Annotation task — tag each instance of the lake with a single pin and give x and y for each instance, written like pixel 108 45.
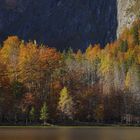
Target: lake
pixel 70 134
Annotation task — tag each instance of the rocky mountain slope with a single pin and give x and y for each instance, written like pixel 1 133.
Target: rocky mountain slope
pixel 62 23
pixel 125 18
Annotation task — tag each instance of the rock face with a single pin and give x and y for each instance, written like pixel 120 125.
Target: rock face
pixel 64 23
pixel 60 23
pixel 125 19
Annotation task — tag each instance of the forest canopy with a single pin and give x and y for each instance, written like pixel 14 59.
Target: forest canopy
pixel 40 84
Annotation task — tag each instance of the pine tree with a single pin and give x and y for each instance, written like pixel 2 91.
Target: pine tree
pixel 123 46
pixel 135 33
pixel 44 113
pixel 32 114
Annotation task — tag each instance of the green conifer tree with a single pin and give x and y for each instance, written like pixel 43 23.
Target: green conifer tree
pixel 44 113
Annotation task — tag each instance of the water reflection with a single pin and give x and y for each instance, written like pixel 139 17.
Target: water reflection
pixel 70 134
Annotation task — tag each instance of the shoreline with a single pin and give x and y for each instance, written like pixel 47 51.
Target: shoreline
pixel 70 127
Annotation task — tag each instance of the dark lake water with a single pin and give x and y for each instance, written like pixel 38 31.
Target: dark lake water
pixel 71 134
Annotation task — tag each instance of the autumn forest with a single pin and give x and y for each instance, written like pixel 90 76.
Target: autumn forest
pixel 39 84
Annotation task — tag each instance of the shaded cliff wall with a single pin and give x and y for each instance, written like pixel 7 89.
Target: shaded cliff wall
pixel 60 23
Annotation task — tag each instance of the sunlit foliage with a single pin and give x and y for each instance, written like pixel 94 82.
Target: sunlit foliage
pixel 40 84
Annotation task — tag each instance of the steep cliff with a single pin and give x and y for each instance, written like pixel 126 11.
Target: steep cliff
pixel 60 23
pixel 125 17
pixel 65 23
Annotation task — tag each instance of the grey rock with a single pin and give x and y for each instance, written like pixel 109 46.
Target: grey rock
pixel 125 18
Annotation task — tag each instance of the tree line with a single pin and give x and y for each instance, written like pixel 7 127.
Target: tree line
pixel 39 84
